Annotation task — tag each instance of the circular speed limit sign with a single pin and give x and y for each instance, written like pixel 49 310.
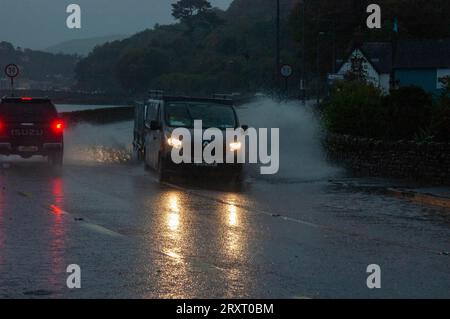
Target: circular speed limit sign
pixel 286 70
pixel 12 70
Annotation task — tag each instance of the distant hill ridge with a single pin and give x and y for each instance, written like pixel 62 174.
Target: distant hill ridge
pixel 83 46
pixel 237 9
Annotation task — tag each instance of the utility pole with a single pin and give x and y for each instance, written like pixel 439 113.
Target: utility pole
pixel 319 35
pixel 12 87
pixel 302 81
pixel 277 57
pixel 334 47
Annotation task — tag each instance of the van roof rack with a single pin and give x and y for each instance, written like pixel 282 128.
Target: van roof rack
pixel 182 98
pixel 197 99
pixel 223 96
pixel 155 94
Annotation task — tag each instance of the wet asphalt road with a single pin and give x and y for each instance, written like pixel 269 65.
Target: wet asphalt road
pixel 133 237
pixel 276 238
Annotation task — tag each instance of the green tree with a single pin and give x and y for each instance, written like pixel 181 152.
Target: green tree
pixel 440 126
pixel 409 113
pixel 357 109
pixel 186 10
pixel 195 13
pixel 137 68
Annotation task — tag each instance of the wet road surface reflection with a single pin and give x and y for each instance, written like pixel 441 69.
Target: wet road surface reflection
pixel 199 243
pixel 33 232
pixel 134 237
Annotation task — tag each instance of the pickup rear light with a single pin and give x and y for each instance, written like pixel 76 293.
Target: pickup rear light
pixel 57 126
pixel 2 126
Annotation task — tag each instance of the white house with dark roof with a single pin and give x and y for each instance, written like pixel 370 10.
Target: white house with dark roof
pixel 414 63
pixel 377 62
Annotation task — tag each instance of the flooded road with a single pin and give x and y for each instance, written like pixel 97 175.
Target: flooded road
pixel 290 236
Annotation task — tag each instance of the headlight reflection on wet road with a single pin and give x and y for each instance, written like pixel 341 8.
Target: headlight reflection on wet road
pixel 233 239
pixel 235 247
pixel 232 216
pixel 173 219
pixel 202 241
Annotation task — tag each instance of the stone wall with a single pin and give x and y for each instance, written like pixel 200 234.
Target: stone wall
pixel 99 116
pixel 424 162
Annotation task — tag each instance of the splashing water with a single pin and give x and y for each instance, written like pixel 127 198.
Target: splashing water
pixel 302 156
pixel 99 143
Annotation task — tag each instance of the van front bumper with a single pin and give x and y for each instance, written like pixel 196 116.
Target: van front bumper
pixel 225 169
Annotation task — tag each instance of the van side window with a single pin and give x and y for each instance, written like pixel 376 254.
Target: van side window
pixel 152 112
pixel 158 113
pixel 148 111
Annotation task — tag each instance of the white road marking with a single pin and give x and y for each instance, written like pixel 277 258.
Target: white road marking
pixel 306 223
pixel 92 226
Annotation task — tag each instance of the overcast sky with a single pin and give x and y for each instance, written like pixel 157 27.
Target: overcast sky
pixel 38 24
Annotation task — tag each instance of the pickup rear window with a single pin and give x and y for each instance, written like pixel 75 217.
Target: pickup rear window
pixel 19 111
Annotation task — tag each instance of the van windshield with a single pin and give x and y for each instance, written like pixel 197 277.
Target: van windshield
pixel 183 114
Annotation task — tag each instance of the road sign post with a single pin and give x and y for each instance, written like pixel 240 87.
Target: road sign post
pixel 286 72
pixel 12 71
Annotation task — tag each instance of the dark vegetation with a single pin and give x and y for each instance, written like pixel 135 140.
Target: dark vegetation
pixel 207 51
pixel 40 66
pixel 343 25
pixel 233 50
pixel 408 113
pixel 210 50
pixel 354 107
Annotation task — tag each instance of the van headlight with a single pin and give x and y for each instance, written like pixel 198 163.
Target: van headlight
pixel 175 142
pixel 235 146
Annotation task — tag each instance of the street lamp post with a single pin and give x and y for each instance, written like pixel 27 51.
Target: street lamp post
pixel 331 33
pixel 302 81
pixel 318 66
pixel 277 55
pixel 334 47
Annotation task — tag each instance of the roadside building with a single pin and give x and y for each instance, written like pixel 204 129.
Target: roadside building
pixel 411 63
pixel 376 59
pixel 422 63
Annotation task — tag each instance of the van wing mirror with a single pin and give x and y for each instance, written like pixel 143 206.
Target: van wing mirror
pixel 153 125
